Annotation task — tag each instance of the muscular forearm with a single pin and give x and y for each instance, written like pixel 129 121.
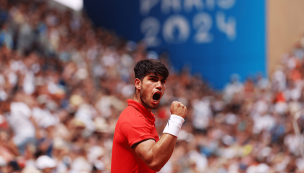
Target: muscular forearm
pixel 157 153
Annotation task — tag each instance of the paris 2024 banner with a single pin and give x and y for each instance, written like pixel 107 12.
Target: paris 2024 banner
pixel 216 38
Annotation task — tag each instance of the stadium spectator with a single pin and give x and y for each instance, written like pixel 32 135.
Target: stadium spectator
pixel 64 82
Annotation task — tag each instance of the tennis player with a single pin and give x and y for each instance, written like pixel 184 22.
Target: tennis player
pixel 136 145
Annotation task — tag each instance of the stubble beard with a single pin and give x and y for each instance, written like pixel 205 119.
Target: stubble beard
pixel 142 100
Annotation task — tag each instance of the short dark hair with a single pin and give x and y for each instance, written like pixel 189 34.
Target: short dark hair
pixel 147 66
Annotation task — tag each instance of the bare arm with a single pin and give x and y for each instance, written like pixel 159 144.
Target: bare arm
pixel 157 154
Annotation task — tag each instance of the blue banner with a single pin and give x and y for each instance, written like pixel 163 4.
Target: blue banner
pixel 214 37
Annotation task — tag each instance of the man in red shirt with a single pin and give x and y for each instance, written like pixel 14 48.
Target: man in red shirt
pixel 136 145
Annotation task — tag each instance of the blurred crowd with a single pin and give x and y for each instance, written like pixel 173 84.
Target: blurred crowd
pixel 64 82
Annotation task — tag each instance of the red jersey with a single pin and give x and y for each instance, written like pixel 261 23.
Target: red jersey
pixel 135 124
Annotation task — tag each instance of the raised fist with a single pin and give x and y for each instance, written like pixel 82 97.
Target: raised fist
pixel 179 109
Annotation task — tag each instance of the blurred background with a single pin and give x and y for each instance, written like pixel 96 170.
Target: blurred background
pixel 66 73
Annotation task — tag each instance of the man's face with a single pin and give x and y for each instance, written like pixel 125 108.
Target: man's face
pixel 152 89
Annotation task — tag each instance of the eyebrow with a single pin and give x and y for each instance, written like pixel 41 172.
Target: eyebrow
pixel 153 76
pixel 156 77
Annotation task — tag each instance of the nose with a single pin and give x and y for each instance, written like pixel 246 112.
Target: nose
pixel 159 85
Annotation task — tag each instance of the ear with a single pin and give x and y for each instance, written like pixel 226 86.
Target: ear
pixel 137 84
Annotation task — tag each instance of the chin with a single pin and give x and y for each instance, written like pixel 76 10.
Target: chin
pixel 154 106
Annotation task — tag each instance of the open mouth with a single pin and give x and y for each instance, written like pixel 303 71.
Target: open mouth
pixel 156 96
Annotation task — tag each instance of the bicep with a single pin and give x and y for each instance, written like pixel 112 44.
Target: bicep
pixel 143 150
pixel 156 154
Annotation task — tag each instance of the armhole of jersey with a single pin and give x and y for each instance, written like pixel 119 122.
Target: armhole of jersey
pixel 135 145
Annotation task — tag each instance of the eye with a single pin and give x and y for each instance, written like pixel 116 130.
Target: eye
pixel 154 79
pixel 163 81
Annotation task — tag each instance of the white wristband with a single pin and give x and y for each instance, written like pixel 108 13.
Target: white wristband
pixel 174 125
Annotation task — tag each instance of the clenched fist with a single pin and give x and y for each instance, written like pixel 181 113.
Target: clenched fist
pixel 179 109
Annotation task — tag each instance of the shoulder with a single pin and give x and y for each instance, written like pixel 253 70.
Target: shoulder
pixel 132 116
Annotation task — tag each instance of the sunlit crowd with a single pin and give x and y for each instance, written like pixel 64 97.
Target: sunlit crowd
pixel 64 82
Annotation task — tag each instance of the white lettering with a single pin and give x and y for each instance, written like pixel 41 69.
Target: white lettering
pixel 166 5
pixel 189 4
pixel 228 28
pixel 202 22
pixel 225 4
pixel 176 29
pixel 147 5
pixel 150 28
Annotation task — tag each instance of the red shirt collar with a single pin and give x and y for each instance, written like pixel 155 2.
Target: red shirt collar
pixel 141 109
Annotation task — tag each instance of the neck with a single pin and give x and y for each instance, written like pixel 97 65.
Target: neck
pixel 137 98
